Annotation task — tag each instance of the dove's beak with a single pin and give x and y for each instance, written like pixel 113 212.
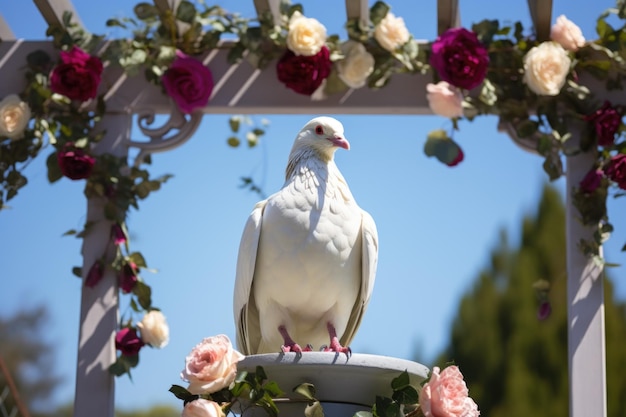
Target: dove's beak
pixel 340 142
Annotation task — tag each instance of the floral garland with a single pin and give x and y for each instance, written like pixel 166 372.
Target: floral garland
pixel 216 389
pixel 531 85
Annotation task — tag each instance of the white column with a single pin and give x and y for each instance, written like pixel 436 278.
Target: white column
pixel 585 296
pixel 95 386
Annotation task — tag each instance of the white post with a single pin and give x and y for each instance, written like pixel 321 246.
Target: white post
pixel 585 315
pixel 95 386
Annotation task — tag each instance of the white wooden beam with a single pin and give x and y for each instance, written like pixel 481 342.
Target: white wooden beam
pixel 95 385
pixel 448 15
pixel 358 9
pixel 585 297
pixel 52 11
pixel 541 15
pixel 6 34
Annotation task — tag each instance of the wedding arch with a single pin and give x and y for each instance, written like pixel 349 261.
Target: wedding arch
pixel 92 122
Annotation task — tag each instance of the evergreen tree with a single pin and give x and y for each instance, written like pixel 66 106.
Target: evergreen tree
pixel 515 364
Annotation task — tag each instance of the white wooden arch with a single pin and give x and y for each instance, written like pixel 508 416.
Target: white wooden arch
pixel 243 89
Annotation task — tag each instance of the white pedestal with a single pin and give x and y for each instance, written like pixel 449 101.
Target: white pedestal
pixel 343 385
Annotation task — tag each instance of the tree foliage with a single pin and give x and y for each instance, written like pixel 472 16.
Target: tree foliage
pixel 29 358
pixel 516 365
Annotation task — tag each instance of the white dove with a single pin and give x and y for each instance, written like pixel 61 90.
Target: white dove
pixel 308 255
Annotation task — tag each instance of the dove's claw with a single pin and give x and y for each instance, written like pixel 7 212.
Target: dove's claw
pixel 291 348
pixel 335 346
pixel 308 348
pixel 324 348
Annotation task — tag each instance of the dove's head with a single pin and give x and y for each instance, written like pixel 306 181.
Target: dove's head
pixel 324 135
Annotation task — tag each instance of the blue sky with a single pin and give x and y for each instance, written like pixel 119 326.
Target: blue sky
pixel 436 224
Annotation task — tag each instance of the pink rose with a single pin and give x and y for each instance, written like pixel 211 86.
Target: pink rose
pixel 567 34
pixel 592 180
pixel 606 122
pixel 128 342
pixel 127 277
pixel 74 162
pixel 444 99
pixel 202 408
pixel 188 82
pixel 616 170
pixel 95 274
pixel 77 76
pixel 211 365
pixel 460 58
pixel 446 395
pixel 304 74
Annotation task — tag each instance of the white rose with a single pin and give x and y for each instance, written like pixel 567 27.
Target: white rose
pixel 14 117
pixel 545 68
pixel 567 34
pixel 391 32
pixel 153 329
pixel 444 99
pixel 357 65
pixel 202 408
pixel 306 35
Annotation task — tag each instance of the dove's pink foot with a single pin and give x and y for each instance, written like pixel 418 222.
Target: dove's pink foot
pixel 335 346
pixel 289 344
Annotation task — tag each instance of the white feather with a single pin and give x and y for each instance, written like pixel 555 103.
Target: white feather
pixel 308 253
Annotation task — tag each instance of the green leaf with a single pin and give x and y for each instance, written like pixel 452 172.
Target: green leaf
pixel 439 145
pixel 624 248
pixel 138 259
pixel 144 294
pixel 182 393
pixel 38 59
pixel 401 381
pixel 363 414
pixel 406 395
pixel 260 374
pixel 378 12
pixel 314 410
pixel 272 389
pixel 233 142
pixel 118 368
pixel 146 11
pixel 186 12
pixel 234 123
pixel 70 232
pixel 306 389
pixel 54 171
pixel 78 271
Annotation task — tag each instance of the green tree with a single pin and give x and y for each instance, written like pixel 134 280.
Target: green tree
pixel 29 358
pixel 516 365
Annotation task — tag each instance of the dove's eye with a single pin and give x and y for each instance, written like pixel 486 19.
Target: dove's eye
pixel 319 130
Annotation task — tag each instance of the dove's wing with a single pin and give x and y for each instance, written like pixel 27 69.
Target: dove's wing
pixel 369 262
pixel 245 310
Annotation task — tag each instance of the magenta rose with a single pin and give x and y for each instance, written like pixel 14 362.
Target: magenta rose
pixel 460 58
pixel 77 76
pixel 616 170
pixel 544 311
pixel 74 162
pixel 304 74
pixel 606 122
pixel 128 342
pixel 95 274
pixel 592 180
pixel 127 277
pixel 189 82
pixel 118 234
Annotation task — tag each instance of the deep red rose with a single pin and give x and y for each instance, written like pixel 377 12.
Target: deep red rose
pixel 128 342
pixel 95 274
pixel 304 74
pixel 118 234
pixel 606 122
pixel 189 82
pixel 460 58
pixel 74 162
pixel 457 160
pixel 127 277
pixel 77 76
pixel 592 180
pixel 616 170
pixel 544 311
